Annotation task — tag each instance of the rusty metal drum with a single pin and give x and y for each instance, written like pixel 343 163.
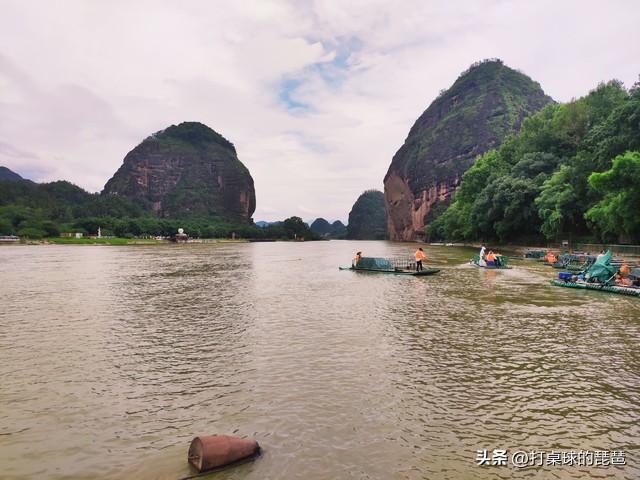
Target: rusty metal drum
pixel 216 451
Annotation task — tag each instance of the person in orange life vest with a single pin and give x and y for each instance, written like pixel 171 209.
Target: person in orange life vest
pixel 420 256
pixel 491 259
pixel 356 260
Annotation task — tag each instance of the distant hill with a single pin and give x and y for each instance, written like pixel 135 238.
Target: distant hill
pixel 321 226
pixel 325 229
pixel 485 104
pixel 368 218
pixel 186 170
pixel 9 175
pixel 339 229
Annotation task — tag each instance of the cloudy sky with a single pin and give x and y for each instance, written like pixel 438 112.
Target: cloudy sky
pixel 316 95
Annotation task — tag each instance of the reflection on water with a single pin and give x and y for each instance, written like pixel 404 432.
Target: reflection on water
pixel 113 358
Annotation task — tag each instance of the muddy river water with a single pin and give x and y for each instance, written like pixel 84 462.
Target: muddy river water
pixel 113 358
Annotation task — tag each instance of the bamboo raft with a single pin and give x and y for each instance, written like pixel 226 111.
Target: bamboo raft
pixel 395 266
pixel 421 273
pixel 631 291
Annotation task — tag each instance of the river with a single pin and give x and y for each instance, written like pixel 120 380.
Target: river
pixel 112 358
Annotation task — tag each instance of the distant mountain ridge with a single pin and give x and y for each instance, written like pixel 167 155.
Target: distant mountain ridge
pixel 484 105
pixel 9 175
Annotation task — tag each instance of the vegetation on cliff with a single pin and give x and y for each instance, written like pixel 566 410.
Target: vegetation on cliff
pixel 485 104
pixel 570 171
pixel 368 218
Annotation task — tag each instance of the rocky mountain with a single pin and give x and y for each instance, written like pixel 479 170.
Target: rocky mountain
pixel 186 170
pixel 325 229
pixel 6 174
pixel 368 217
pixel 484 105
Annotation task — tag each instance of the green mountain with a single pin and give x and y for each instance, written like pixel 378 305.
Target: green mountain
pixel 6 174
pixel 485 104
pixel 186 170
pixel 368 218
pixel 572 171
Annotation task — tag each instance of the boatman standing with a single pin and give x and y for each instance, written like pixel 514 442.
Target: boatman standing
pixel 420 256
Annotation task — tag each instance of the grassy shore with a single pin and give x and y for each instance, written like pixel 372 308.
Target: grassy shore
pixel 102 241
pixel 127 241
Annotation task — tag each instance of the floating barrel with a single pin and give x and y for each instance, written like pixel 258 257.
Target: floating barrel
pixel 216 451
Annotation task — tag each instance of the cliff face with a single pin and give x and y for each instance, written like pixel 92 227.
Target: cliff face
pixel 483 106
pixel 186 170
pixel 367 218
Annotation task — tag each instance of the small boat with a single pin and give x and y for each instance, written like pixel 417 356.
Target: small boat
pixel 386 265
pixel 499 264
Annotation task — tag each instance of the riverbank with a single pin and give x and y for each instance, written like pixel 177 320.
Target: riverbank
pixel 99 241
pixel 115 241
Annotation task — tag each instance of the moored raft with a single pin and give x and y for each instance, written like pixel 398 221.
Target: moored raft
pixel 634 292
pixel 393 266
pixel 600 276
pixel 534 254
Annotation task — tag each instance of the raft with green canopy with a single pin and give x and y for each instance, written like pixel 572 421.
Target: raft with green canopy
pixel 387 265
pixel 599 276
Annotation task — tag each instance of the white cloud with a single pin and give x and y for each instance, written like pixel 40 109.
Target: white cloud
pixel 317 96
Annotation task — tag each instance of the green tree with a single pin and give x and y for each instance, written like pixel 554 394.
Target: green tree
pixel 295 227
pixel 32 233
pixel 559 205
pixel 6 227
pixel 618 212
